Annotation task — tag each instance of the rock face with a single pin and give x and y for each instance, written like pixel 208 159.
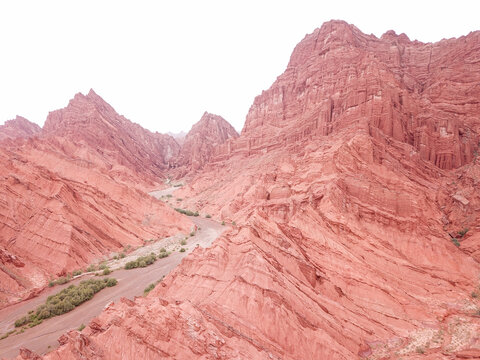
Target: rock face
pixel 200 142
pixel 73 195
pixel 353 177
pixel 18 128
pixel 88 121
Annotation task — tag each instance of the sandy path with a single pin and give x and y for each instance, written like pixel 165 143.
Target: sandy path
pixel 131 283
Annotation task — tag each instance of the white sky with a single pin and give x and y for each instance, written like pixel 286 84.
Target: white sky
pixel 163 63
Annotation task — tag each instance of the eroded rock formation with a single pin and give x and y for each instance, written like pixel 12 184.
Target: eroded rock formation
pixel 354 174
pixel 18 128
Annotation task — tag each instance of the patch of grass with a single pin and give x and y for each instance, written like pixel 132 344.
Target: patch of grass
pixel 463 232
pixel 81 327
pixel 65 301
pixel 148 289
pixel 455 242
pixel 141 261
pixel 187 212
pixel 182 250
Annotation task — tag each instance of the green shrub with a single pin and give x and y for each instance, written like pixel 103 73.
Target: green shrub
pixel 192 233
pixel 148 289
pixel 65 300
pixel 81 327
pixel 115 257
pixel 162 255
pixel 111 282
pixel 51 283
pixel 141 261
pixel 183 242
pixel 91 268
pixel 463 232
pixel 196 213
pixel 223 222
pixel 122 255
pixel 455 242
pixel 77 272
pixel 107 271
pixel 61 280
pixel 208 216
pixel 474 294
pixel 182 250
pixel 234 223
pixel 163 250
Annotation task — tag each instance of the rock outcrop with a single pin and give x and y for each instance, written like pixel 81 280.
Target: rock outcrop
pixel 18 128
pixel 88 121
pixel 200 142
pixel 351 184
pixel 76 194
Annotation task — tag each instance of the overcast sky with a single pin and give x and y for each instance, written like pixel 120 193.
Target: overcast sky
pixel 163 63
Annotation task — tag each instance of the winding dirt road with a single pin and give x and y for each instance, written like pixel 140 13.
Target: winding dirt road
pixel 131 283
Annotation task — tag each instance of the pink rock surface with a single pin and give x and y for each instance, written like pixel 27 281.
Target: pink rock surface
pixel 200 142
pixel 346 186
pixel 18 128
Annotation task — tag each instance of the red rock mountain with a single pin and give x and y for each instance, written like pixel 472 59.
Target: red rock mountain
pixel 200 142
pixel 18 128
pixel 88 121
pixel 354 176
pixel 76 194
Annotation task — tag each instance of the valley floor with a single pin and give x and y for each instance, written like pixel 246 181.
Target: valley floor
pixel 131 283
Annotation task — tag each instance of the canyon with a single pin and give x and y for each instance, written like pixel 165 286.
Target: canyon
pixel 352 195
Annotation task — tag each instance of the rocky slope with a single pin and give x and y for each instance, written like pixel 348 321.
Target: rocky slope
pixel 89 122
pixel 18 128
pixel 73 195
pixel 201 141
pixel 354 176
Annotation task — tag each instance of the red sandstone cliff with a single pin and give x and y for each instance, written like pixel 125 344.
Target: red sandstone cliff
pixel 88 121
pixel 75 194
pixel 350 176
pixel 18 128
pixel 200 142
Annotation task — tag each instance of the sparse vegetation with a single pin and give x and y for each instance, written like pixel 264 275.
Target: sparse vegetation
pixel 474 294
pixel 187 212
pixel 208 216
pixel 192 234
pixel 455 242
pixel 77 272
pixel 463 232
pixel 223 223
pixel 183 242
pixel 65 301
pixel 142 261
pixel 148 289
pixel 122 255
pixel 420 350
pixel 81 327
pixel 234 223
pixel 91 268
pixel 182 249
pixel 106 271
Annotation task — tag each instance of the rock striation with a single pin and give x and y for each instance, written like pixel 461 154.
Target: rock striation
pixel 75 193
pixel 354 177
pixel 201 141
pixel 18 128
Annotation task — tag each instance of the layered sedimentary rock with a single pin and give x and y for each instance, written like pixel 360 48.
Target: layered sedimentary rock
pixel 352 180
pixel 200 142
pixel 89 122
pixel 75 194
pixel 18 128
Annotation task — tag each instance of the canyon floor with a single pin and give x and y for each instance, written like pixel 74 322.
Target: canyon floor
pixel 131 283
